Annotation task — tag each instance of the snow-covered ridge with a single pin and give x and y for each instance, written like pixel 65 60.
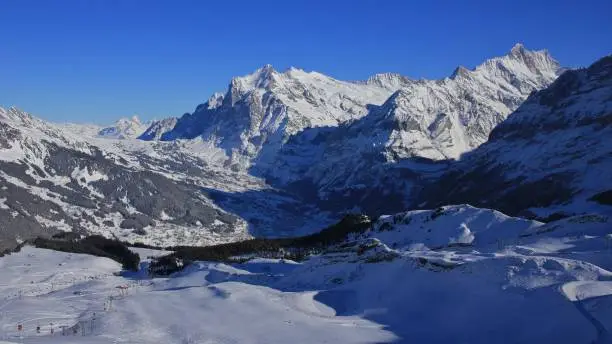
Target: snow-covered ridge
pixel 549 157
pixel 262 111
pixel 448 226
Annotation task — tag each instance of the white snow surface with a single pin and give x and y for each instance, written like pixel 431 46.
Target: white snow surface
pixel 517 281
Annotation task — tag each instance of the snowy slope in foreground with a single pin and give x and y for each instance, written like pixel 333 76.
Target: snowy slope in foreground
pixel 526 283
pixel 187 309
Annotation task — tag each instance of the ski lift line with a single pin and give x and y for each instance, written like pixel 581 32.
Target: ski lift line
pixel 82 323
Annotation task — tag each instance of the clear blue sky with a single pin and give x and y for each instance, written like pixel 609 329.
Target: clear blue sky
pixel 97 60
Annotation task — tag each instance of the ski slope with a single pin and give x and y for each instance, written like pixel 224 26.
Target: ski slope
pixel 197 307
pixel 406 280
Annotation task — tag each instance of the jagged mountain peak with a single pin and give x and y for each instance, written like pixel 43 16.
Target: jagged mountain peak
pixel 518 48
pixel 261 78
pixel 263 110
pixel 549 158
pixel 388 80
pixel 564 93
pixel 520 60
pixel 460 72
pixel 13 113
pixel 424 120
pixel 215 100
pixel 537 65
pixel 519 51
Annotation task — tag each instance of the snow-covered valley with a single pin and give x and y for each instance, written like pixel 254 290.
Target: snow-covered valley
pixel 457 274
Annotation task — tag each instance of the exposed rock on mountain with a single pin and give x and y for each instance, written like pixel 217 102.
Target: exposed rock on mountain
pixel 434 119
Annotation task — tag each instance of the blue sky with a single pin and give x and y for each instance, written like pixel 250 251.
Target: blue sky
pixel 98 60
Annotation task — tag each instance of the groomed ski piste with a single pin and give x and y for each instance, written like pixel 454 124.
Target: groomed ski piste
pixel 456 274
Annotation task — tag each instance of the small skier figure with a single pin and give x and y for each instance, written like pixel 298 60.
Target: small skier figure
pixel 37 328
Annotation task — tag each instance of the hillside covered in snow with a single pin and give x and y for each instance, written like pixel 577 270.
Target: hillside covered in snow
pixel 454 274
pixel 54 177
pixel 285 154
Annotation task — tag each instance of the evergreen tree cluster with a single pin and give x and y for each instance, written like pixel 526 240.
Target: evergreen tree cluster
pixel 289 248
pixel 96 245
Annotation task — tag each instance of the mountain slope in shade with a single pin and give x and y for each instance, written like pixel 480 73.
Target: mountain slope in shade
pixel 550 157
pixel 157 129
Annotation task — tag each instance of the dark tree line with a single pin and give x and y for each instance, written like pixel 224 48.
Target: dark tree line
pixel 290 248
pixel 95 245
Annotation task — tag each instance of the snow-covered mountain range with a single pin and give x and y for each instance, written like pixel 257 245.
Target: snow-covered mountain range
pixel 337 142
pixel 434 119
pixel 287 153
pixel 498 179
